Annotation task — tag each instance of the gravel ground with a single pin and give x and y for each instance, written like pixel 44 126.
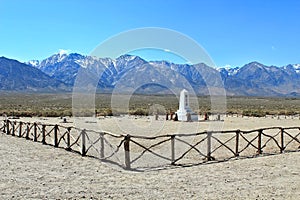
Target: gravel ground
pixel 34 171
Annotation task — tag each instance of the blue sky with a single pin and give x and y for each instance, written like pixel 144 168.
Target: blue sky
pixel 232 32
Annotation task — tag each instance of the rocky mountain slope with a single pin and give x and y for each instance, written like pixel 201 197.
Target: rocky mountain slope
pixel 257 79
pixel 16 76
pixel 131 73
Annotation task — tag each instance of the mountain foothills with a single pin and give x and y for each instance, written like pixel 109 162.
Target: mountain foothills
pixel 16 76
pixel 128 73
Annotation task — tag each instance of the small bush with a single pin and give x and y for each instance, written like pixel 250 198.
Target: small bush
pixel 139 111
pixel 253 113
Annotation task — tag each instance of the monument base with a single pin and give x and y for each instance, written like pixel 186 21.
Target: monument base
pixel 186 116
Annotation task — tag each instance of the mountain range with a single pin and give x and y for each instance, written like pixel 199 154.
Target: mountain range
pixel 129 73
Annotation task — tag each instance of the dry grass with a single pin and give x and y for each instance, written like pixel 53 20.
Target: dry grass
pixel 54 105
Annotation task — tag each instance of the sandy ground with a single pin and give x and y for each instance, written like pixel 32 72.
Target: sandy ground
pixel 34 171
pixel 149 126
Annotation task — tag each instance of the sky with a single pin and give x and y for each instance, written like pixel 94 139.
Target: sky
pixel 232 32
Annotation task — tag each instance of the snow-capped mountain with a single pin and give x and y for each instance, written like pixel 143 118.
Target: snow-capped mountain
pixel 129 72
pixel 296 68
pixel 60 66
pixel 228 71
pixel 257 79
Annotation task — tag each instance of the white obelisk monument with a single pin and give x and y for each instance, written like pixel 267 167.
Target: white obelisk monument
pixel 185 113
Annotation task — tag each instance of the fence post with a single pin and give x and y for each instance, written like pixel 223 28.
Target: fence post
pixel 43 134
pixel 7 127
pixel 2 129
pixel 27 131
pixel 172 149
pixel 127 151
pixel 20 129
pixel 259 151
pixel 4 126
pixel 68 139
pixel 237 143
pixel 55 136
pixel 83 153
pixel 209 158
pixel 101 145
pixel 13 128
pixel 282 140
pixel 34 132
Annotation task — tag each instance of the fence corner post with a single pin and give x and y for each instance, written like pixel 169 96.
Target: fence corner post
pixel 20 129
pixel 282 140
pixel 237 143
pixel 27 131
pixel 43 134
pixel 55 135
pixel 209 158
pixel 34 132
pixel 68 139
pixel 83 149
pixel 13 128
pixel 127 151
pixel 259 150
pixel 7 127
pixel 172 149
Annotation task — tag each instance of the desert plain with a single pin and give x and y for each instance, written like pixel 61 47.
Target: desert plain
pixel 31 170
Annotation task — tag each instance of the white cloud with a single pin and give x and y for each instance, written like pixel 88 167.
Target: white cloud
pixel 227 66
pixel 63 51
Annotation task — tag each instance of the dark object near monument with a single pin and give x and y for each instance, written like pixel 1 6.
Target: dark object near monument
pixel 206 117
pixel 176 117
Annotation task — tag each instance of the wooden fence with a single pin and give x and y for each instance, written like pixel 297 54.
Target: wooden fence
pixel 140 152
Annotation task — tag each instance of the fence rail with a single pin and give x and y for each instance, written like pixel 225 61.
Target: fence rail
pixel 150 152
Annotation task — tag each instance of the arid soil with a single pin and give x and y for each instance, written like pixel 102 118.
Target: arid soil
pixel 31 170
